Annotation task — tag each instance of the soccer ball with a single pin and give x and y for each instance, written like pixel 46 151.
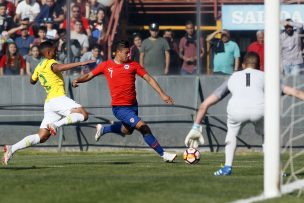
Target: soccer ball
pixel 191 156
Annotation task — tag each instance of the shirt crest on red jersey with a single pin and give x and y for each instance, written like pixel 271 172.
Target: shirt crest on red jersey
pixel 127 66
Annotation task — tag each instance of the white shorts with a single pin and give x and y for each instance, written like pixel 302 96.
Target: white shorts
pixel 57 108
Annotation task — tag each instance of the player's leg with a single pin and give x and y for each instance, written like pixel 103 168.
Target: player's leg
pixel 116 127
pixel 149 138
pixel 71 111
pixel 230 141
pixel 31 140
pixel 121 113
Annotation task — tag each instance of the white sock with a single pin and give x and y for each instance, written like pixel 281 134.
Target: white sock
pixel 71 118
pixel 229 151
pixel 232 132
pixel 26 142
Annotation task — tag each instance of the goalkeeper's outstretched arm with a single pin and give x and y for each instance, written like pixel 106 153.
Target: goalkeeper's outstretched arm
pixel 218 94
pixel 209 101
pixel 290 91
pixel 195 135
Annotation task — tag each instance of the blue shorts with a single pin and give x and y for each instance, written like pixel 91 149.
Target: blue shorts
pixel 128 115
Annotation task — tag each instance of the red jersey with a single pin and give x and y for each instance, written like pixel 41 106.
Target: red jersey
pixel 10 64
pixel 121 80
pixel 259 49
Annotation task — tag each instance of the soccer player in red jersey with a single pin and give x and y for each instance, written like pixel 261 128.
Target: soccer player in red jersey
pixel 120 74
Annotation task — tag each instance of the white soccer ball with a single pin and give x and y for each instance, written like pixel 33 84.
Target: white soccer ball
pixel 191 156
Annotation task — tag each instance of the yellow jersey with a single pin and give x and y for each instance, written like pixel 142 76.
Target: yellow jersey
pixel 52 82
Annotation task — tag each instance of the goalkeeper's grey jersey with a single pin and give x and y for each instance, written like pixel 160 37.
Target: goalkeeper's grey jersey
pixel 247 89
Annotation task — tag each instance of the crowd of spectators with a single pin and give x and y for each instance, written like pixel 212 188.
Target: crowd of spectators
pixel 27 23
pixel 169 56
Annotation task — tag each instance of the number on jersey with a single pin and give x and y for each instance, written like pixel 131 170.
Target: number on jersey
pixel 247 79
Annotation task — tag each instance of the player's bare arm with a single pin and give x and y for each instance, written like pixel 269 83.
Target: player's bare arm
pixel 209 101
pixel 84 78
pixel 290 91
pixel 152 82
pixel 195 135
pixel 63 67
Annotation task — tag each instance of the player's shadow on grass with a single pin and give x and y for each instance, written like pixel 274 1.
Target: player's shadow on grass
pixel 17 168
pixel 106 163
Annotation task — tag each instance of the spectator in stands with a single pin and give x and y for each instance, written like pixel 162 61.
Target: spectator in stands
pixel 27 9
pixel 83 6
pixel 258 47
pixel 10 8
pixel 12 63
pixel 51 33
pixel 49 10
pixel 94 7
pixel 26 22
pixel 77 16
pixel 94 54
pixel 226 53
pixel 173 51
pixel 187 50
pixel 80 37
pixel 60 5
pixel 98 27
pixel 6 21
pixel 134 50
pixel 32 60
pixel 24 42
pixel 292 59
pixel 5 38
pixel 154 53
pixel 41 36
pixel 107 4
pixel 61 52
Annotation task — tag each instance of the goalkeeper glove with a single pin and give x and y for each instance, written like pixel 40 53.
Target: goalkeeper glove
pixel 193 144
pixel 194 137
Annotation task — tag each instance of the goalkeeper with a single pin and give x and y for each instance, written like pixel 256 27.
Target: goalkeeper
pixel 254 108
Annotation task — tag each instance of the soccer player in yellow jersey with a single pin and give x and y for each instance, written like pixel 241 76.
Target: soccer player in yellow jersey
pixel 58 108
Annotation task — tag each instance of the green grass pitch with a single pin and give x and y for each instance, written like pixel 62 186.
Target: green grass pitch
pixel 135 176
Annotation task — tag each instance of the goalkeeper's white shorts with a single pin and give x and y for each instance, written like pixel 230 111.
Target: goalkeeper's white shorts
pixel 238 116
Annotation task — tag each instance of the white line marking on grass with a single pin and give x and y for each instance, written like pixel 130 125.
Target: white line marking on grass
pixel 288 188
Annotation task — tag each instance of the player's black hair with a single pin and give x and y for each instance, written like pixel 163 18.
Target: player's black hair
pixel 45 45
pixel 121 44
pixel 252 58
